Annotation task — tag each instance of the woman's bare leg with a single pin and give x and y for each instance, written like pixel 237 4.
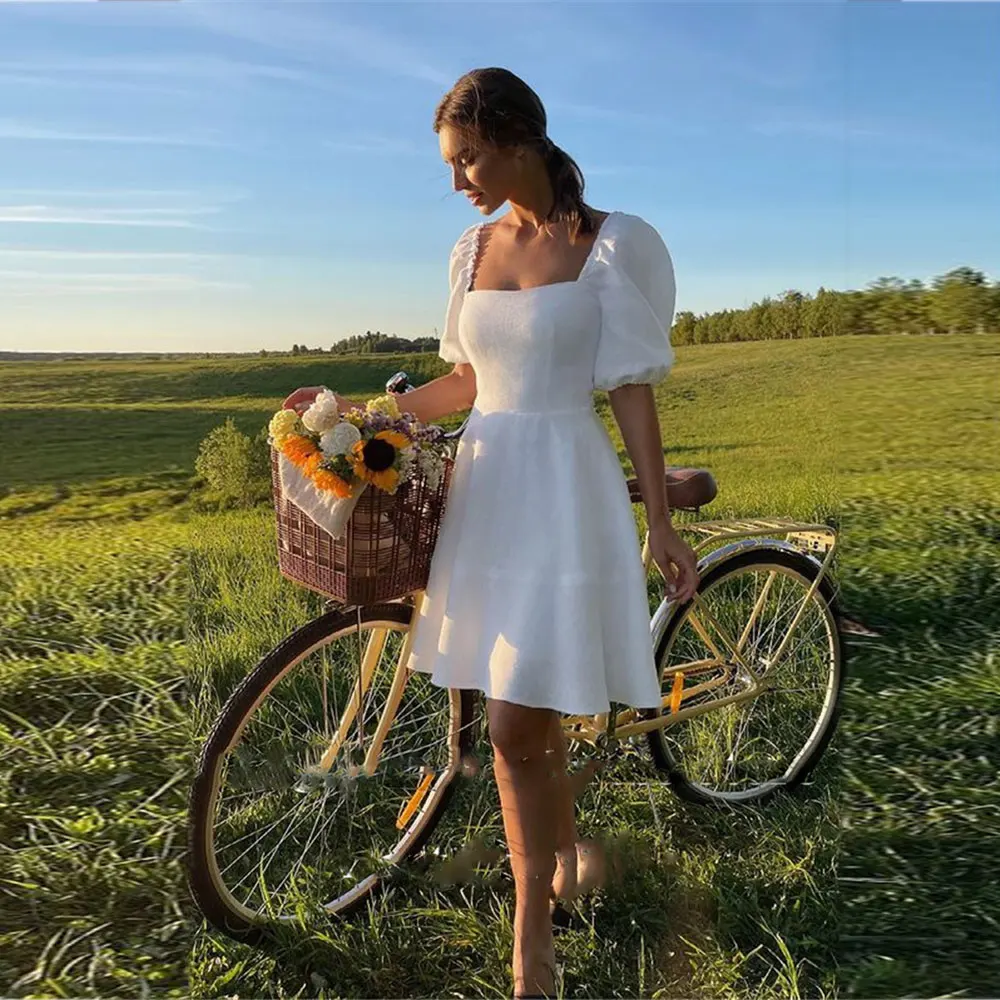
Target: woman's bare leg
pixel 531 797
pixel 579 863
pixel 564 880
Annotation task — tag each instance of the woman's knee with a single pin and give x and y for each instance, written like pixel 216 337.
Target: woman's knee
pixel 518 732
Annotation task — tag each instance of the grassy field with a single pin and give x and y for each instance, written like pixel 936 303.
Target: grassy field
pixel 118 587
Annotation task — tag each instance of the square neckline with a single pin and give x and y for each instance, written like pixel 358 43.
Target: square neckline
pixel 549 284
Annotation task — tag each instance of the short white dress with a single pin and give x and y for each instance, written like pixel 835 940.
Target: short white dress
pixel 536 593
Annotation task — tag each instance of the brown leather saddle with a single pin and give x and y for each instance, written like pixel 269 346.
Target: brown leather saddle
pixel 687 489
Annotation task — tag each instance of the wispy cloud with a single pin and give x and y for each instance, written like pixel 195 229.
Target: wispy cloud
pixel 10 129
pixel 884 136
pixel 75 81
pixel 203 67
pixel 618 170
pixel 819 128
pixel 297 31
pixel 128 194
pixel 381 144
pixel 38 283
pixel 644 119
pixel 36 253
pixel 157 218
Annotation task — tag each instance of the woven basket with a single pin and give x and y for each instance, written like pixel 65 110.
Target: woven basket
pixel 384 553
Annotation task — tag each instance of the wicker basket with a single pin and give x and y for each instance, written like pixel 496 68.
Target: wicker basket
pixel 384 553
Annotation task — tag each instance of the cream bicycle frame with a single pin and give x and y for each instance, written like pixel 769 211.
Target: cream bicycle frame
pixel 604 727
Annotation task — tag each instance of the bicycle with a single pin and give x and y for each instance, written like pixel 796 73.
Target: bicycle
pixel 329 766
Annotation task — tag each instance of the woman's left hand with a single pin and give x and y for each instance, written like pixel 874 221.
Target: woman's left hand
pixel 675 559
pixel 302 399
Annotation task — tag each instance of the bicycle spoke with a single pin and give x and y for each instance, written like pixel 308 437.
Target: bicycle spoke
pixel 737 749
pixel 276 854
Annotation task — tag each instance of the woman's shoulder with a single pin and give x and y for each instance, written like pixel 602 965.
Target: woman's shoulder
pixel 467 239
pixel 629 240
pixel 638 226
pixel 462 254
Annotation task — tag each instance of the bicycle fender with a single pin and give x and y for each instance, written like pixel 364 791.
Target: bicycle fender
pixel 665 612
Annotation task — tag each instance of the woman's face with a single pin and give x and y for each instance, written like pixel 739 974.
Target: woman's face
pixel 485 174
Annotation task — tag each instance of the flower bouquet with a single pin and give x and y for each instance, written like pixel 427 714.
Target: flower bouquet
pixel 322 463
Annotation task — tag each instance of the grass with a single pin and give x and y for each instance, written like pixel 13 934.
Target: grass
pixel 117 589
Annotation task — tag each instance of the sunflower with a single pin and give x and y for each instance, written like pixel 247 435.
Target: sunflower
pixel 297 449
pixel 311 464
pixel 327 480
pixel 373 460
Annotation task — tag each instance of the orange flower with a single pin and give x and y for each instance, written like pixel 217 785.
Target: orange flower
pixel 373 460
pixel 298 448
pixel 327 480
pixel 311 464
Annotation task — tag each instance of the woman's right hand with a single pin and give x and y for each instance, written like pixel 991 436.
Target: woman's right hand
pixel 302 399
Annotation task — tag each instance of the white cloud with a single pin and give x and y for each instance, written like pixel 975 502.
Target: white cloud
pixel 644 119
pixel 125 194
pixel 116 84
pixel 381 144
pixel 46 214
pixel 175 67
pixel 35 253
pixel 10 129
pixel 311 38
pixel 27 284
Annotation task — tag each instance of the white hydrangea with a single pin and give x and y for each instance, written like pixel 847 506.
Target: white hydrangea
pixel 431 465
pixel 338 440
pixel 323 414
pixel 407 459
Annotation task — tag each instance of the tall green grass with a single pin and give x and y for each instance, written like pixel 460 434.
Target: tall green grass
pixel 127 614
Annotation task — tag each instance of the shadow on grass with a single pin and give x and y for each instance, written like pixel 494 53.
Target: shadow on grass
pixel 917 865
pixel 76 447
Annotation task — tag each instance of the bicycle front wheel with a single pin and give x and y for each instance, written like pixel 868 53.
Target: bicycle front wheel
pixel 303 801
pixel 724 645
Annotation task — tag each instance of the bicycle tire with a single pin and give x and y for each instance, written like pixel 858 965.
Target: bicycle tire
pixel 760 556
pixel 212 897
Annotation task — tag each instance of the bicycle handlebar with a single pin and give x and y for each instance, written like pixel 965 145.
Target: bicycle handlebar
pixel 400 384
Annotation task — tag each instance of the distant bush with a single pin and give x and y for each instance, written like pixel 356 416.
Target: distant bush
pixel 234 466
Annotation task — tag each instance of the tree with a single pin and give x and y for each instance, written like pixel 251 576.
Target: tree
pixel 233 465
pixel 888 305
pixel 788 314
pixel 960 301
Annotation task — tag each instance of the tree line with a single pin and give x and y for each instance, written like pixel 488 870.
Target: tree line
pixel 961 301
pixel 373 343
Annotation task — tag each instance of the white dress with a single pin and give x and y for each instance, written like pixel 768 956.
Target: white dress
pixel 536 592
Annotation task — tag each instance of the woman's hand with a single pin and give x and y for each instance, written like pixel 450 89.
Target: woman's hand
pixel 675 559
pixel 302 399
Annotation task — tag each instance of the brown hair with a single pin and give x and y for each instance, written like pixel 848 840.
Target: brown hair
pixel 499 107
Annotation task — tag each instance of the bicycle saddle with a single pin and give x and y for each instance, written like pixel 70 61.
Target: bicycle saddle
pixel 687 489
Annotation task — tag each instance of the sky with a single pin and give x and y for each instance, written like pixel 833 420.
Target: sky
pixel 237 176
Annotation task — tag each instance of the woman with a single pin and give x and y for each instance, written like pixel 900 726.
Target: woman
pixel 536 594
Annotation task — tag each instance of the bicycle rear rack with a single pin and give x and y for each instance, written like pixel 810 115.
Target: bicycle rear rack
pixel 807 535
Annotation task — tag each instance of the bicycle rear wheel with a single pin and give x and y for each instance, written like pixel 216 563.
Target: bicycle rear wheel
pixel 285 822
pixel 748 750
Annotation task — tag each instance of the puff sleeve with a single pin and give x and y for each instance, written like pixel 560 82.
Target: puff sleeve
pixel 459 274
pixel 637 292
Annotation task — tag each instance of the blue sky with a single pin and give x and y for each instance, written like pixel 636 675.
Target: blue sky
pixel 236 176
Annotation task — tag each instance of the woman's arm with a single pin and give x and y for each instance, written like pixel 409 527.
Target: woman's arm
pixel 438 398
pixel 447 394
pixel 635 412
